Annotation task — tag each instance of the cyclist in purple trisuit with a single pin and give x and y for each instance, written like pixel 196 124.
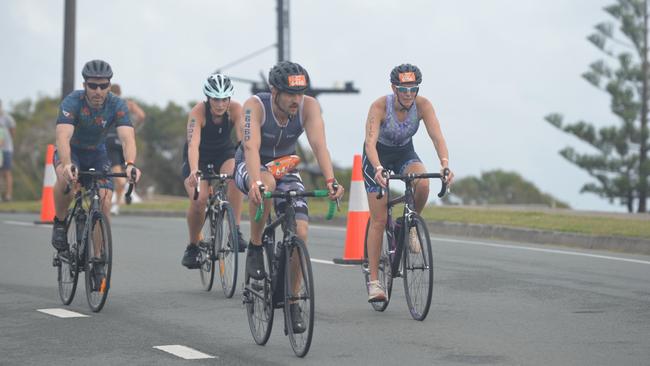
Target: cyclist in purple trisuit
pixel 272 124
pixel 392 121
pixel 85 117
pixel 209 141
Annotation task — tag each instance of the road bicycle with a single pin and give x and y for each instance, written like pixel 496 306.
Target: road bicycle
pixel 89 242
pixel 405 248
pixel 288 283
pixel 219 236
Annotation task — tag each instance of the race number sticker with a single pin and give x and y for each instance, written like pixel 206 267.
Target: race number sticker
pixel 407 77
pixel 297 80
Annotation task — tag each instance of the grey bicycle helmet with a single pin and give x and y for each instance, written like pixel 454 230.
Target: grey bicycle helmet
pixel 97 69
pixel 289 77
pixel 405 74
pixel 218 86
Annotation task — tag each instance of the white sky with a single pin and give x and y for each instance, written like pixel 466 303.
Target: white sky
pixel 492 68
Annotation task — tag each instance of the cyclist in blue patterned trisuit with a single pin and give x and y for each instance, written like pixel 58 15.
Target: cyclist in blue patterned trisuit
pixel 392 121
pixel 85 116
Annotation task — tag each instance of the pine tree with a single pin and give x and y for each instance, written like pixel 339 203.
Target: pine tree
pixel 621 165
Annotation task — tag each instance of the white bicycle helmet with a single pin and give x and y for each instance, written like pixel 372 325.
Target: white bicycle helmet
pixel 218 86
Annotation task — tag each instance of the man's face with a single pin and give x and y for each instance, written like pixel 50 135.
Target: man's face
pixel 289 103
pixel 96 91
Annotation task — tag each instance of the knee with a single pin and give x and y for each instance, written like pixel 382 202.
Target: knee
pixel 198 205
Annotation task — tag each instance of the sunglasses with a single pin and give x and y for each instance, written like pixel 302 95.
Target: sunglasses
pixel 407 89
pixel 93 86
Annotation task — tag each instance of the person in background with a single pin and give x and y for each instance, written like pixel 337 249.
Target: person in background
pixel 115 150
pixel 7 135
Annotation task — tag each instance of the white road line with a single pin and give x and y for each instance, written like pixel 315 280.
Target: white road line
pixel 62 313
pixel 321 261
pixel 19 223
pixel 183 352
pixel 555 251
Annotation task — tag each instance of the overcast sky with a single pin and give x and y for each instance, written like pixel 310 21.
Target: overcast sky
pixel 492 68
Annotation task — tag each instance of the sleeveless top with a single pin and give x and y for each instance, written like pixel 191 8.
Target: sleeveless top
pixel 276 140
pixel 393 132
pixel 215 138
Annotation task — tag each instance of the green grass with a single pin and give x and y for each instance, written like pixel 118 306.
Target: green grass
pixel 563 221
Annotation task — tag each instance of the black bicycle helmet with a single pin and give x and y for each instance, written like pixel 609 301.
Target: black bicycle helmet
pixel 289 77
pixel 405 74
pixel 97 69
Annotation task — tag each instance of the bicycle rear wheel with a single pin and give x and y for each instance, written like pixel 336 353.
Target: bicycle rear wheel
pixel 207 254
pixel 383 271
pixel 299 294
pixel 99 262
pixel 67 264
pixel 258 298
pixel 227 249
pixel 418 269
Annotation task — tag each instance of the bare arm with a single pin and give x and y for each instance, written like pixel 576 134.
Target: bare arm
pixel 375 115
pixel 433 129
pixel 127 136
pixel 237 117
pixel 195 123
pixel 64 133
pixel 137 113
pixel 252 140
pixel 315 131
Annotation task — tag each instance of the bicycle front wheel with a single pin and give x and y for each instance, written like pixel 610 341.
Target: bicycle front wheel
pixel 258 300
pixel 418 268
pixel 384 274
pixel 299 297
pixel 67 264
pixel 227 249
pixel 207 254
pixel 99 262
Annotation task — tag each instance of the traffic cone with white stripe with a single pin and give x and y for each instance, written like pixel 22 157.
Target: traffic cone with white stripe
pixel 358 215
pixel 47 198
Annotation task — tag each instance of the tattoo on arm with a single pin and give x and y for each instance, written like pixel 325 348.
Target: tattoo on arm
pixel 371 127
pixel 247 125
pixel 190 130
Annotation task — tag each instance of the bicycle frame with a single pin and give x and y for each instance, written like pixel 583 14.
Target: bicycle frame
pixel 397 247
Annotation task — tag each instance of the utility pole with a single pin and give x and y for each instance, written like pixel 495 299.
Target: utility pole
pixel 67 84
pixel 284 54
pixel 284 41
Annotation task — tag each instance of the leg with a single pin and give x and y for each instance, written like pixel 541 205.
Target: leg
pixel 235 197
pixel 61 200
pixel 9 181
pixel 378 219
pixel 196 211
pixel 119 187
pixel 420 187
pixel 257 227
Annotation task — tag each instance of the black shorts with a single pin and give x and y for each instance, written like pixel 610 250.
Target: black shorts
pixel 217 160
pixel 115 151
pixel 394 158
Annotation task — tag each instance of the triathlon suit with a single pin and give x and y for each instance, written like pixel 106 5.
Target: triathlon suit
pixel 277 140
pixel 87 145
pixel 216 143
pixel 394 144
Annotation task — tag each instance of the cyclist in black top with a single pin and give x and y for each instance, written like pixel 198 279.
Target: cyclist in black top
pixel 209 141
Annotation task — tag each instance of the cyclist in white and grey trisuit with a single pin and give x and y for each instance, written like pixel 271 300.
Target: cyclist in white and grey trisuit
pixel 392 121
pixel 272 124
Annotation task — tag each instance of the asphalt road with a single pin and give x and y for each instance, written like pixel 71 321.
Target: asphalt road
pixel 494 303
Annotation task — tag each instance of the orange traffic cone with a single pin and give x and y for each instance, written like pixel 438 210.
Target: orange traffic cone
pixel 358 215
pixel 47 198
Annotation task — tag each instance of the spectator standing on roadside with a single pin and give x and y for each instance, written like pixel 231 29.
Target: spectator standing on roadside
pixel 7 135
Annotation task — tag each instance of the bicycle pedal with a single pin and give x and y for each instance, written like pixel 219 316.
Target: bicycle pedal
pixel 56 262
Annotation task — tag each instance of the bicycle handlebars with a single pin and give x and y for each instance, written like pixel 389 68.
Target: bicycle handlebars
pixel 333 205
pixel 98 175
pixel 210 176
pixel 412 176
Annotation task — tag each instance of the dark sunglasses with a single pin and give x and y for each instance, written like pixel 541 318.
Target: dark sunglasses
pixel 93 86
pixel 406 89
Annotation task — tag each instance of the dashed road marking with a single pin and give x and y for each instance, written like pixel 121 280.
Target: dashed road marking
pixel 184 352
pixel 62 313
